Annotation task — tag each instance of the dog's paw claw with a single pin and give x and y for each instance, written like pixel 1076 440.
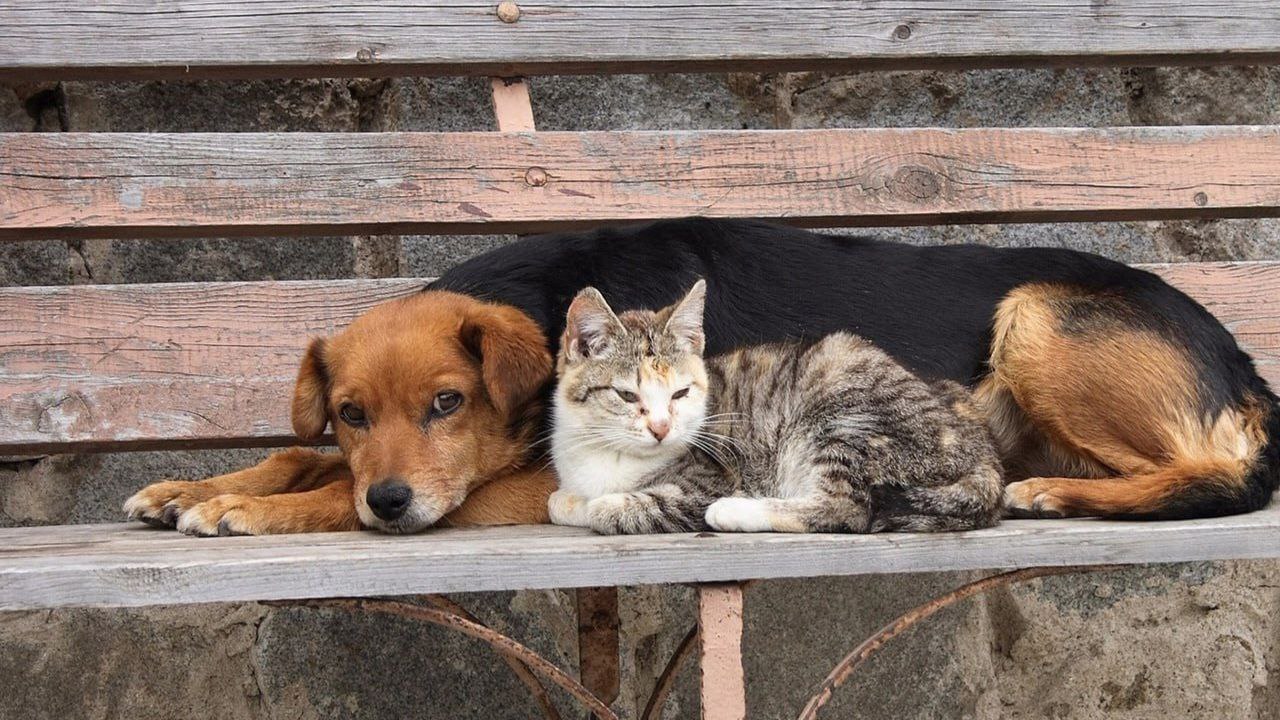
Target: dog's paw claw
pixel 169 514
pixel 225 529
pixel 222 516
pixel 160 504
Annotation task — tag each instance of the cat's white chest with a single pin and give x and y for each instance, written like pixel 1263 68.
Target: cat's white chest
pixel 592 474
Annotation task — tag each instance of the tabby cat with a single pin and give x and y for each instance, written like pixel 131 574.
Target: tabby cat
pixel 831 436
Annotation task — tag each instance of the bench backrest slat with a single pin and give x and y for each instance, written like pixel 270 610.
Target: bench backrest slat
pixel 164 365
pixel 245 38
pixel 213 364
pixel 76 185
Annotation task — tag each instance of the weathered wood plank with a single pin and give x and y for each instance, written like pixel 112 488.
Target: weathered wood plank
pixel 119 565
pixel 172 365
pixel 75 185
pixel 212 364
pixel 56 39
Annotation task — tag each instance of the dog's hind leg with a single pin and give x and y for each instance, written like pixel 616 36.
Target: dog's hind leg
pixel 1110 416
pixel 287 471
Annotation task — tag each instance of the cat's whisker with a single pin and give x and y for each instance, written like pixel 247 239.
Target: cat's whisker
pixel 728 442
pixel 713 452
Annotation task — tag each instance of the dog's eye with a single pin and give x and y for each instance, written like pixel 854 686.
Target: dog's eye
pixel 679 393
pixel 445 403
pixel 626 395
pixel 353 415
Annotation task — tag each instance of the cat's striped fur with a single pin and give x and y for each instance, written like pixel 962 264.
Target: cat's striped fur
pixel 832 436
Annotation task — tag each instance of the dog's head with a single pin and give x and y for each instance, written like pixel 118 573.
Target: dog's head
pixel 429 397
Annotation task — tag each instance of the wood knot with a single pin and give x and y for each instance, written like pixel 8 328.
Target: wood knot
pixel 364 55
pixel 508 12
pixel 918 182
pixel 535 176
pixel 902 32
pixel 1201 198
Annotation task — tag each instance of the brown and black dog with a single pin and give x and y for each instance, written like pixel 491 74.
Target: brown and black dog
pixel 1110 392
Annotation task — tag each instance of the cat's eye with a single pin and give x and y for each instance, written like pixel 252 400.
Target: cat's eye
pixel 445 403
pixel 353 415
pixel 679 393
pixel 626 395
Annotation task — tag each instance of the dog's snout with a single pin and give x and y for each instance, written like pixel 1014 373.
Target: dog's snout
pixel 389 499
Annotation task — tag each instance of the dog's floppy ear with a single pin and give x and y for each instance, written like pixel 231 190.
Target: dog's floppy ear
pixel 513 354
pixel 311 394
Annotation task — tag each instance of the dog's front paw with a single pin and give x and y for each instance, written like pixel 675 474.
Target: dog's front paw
pixel 566 508
pixel 223 515
pixel 1032 498
pixel 739 514
pixel 160 504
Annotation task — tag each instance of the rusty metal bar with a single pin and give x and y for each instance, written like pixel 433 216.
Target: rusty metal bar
pixel 495 639
pixel 518 668
pixel 658 698
pixel 843 669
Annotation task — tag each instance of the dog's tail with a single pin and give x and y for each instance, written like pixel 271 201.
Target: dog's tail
pixel 1235 469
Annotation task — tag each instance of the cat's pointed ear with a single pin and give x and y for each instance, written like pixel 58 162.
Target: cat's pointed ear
pixel 685 322
pixel 590 327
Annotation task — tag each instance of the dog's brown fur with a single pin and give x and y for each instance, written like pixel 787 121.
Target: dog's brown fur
pixel 472 467
pixel 1105 401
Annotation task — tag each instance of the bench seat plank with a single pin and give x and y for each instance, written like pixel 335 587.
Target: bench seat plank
pixel 130 565
pixel 60 39
pixel 182 365
pixel 80 185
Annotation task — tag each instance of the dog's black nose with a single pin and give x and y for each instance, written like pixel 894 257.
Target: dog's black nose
pixel 389 499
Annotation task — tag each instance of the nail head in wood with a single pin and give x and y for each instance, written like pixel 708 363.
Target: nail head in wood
pixel 535 176
pixel 1201 199
pixel 508 12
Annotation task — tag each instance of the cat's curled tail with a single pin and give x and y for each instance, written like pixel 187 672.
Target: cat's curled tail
pixel 970 502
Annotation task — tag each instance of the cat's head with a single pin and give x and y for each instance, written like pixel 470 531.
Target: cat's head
pixel 635 382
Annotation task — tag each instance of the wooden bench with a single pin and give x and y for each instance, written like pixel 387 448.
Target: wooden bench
pixel 97 368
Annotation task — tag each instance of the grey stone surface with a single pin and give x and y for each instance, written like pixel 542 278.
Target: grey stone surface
pixel 1009 98
pixel 13 113
pixel 211 106
pixel 35 262
pixel 134 261
pixel 429 256
pixel 1190 641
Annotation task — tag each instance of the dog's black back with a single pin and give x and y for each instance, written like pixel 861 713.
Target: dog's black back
pixel 929 307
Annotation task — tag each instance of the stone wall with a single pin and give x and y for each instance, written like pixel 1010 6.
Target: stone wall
pixel 1187 641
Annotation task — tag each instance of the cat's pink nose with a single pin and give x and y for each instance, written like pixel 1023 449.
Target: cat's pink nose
pixel 659 428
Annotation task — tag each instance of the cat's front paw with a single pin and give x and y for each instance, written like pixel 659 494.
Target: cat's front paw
pixel 611 515
pixel 739 514
pixel 566 508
